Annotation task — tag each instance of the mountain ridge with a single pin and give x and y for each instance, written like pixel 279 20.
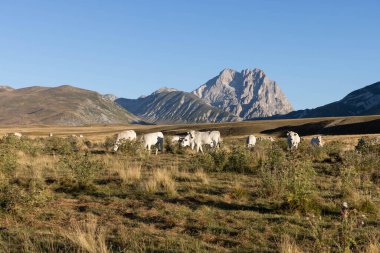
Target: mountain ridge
pixel 168 105
pixel 363 101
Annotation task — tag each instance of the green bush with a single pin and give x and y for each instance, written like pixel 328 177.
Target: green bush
pixel 368 145
pixel 173 148
pixel 128 147
pixel 300 187
pixel 202 162
pixel 61 146
pixel 8 159
pixel 82 167
pixel 240 160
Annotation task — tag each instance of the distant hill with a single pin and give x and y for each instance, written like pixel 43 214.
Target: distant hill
pixel 63 105
pixel 364 101
pixel 247 94
pixel 169 105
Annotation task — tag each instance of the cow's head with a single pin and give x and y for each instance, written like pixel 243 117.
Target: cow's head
pixel 186 141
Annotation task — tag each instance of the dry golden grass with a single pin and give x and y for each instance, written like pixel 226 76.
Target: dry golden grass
pixel 164 204
pixel 161 180
pixel 288 245
pixel 87 235
pixel 126 172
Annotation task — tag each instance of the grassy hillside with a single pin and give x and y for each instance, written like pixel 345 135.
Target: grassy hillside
pixel 63 105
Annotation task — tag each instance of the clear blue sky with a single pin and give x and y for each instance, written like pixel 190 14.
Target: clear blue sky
pixel 317 51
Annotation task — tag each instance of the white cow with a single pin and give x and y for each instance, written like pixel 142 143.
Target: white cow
pixel 293 140
pixel 317 141
pixel 176 139
pixel 251 141
pixel 17 134
pixel 216 139
pixel 197 139
pixel 153 139
pixel 50 134
pixel 128 135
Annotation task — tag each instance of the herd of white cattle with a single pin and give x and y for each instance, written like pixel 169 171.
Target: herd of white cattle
pixel 197 139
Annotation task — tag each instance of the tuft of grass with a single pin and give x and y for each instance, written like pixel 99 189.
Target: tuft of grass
pixel 161 180
pixel 127 173
pixel 87 235
pixel 288 245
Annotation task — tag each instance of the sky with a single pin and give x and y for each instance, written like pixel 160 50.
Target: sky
pixel 317 51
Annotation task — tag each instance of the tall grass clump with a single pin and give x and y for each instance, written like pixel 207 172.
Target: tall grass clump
pixel 127 172
pixel 161 180
pixel 87 235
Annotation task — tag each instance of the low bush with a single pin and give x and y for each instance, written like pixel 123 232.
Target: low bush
pixel 132 148
pixel 82 167
pixel 8 160
pixel 60 146
pixel 240 160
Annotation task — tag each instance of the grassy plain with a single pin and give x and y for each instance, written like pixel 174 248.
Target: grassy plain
pixel 65 194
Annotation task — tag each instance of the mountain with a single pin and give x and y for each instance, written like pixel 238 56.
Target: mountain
pixel 63 105
pixel 247 94
pixel 364 101
pixel 168 105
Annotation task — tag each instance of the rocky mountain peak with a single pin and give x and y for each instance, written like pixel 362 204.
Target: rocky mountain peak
pixel 164 89
pixel 247 94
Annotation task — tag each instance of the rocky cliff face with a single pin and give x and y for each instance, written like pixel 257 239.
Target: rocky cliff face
pixel 168 105
pixel 247 94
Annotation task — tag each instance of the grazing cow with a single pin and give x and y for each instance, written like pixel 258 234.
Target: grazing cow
pixel 50 134
pixel 197 139
pixel 81 136
pixel 176 139
pixel 153 139
pixel 215 138
pixel 293 140
pixel 251 141
pixel 128 135
pixel 17 134
pixel 317 141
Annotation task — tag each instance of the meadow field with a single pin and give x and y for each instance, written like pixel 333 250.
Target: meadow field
pixel 70 194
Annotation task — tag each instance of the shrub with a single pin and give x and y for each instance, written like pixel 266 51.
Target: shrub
pixel 300 188
pixel 240 161
pixel 8 160
pixel 109 143
pixel 61 146
pixel 368 145
pixel 202 162
pixel 82 167
pixel 173 148
pixel 128 147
